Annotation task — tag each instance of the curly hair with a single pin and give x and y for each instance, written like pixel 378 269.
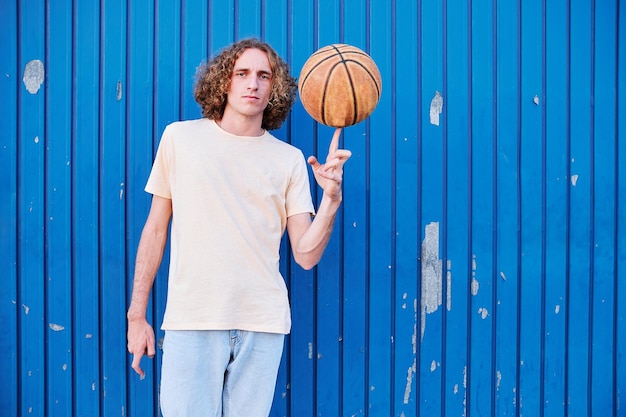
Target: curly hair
pixel 213 83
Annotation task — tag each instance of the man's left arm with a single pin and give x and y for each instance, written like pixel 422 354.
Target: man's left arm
pixel 309 238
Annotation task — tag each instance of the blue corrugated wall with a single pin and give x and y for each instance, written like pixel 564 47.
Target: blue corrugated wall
pixel 478 267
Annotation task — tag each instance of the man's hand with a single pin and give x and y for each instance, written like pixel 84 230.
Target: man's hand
pixel 140 342
pixel 330 174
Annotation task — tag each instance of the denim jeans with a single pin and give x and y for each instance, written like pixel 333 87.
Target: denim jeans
pixel 217 373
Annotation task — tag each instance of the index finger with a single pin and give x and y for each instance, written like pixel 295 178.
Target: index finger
pixel 334 143
pixel 135 365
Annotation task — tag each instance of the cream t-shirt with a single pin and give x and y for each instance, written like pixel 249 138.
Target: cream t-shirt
pixel 231 196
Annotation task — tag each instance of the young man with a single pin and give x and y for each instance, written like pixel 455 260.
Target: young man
pixel 231 190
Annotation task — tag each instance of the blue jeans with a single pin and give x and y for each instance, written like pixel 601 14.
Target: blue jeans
pixel 217 373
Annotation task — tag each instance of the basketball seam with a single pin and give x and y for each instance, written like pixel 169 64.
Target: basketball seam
pixel 354 100
pixel 323 100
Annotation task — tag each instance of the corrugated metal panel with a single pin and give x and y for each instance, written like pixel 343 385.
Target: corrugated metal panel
pixel 477 266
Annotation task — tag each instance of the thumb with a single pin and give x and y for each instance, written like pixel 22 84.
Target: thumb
pixel 313 162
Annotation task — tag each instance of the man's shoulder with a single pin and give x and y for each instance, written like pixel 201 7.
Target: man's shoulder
pixel 283 145
pixel 187 124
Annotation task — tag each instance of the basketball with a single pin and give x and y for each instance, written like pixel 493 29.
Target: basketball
pixel 339 85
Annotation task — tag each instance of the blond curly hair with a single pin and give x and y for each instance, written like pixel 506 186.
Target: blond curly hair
pixel 213 82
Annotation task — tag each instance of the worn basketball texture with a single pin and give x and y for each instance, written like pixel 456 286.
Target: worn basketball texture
pixel 339 85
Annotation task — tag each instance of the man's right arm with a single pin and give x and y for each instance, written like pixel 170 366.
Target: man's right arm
pixel 149 254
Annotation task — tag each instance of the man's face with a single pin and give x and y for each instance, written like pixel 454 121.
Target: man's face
pixel 250 83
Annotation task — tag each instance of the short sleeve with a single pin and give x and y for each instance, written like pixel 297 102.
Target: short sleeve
pixel 298 198
pixel 159 179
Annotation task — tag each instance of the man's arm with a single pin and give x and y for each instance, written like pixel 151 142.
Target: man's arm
pixel 149 254
pixel 310 238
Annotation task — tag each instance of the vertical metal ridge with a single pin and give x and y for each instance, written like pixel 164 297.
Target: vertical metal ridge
pixel 544 201
pixel 152 304
pixel 73 157
pixel 181 59
pixel 368 170
pixel 616 264
pixel 393 195
pixel 45 211
pixel 592 189
pixel 18 213
pixel 444 208
pixel 209 17
pixel 568 208
pixel 128 277
pixel 316 22
pixel 470 195
pixel 236 20
pixel 341 21
pixel 98 205
pixel 518 167
pixel 494 241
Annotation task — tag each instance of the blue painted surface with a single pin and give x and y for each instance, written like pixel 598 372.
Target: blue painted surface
pixel 477 265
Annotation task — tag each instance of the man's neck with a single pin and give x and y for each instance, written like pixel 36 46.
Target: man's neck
pixel 242 125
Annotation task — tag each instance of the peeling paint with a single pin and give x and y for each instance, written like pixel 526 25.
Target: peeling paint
pixel 121 191
pixel 26 309
pixel 414 335
pixel 118 97
pixel 536 100
pixel 449 286
pixel 409 381
pixel 33 76
pixel 498 380
pixel 56 327
pixel 436 107
pixel 465 377
pixel 433 366
pixel 484 313
pixel 431 297
pixel 475 286
pixel 502 276
pixel 557 309
pixel 310 350
pixel 574 179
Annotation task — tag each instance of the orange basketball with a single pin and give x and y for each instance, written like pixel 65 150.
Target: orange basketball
pixel 339 85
